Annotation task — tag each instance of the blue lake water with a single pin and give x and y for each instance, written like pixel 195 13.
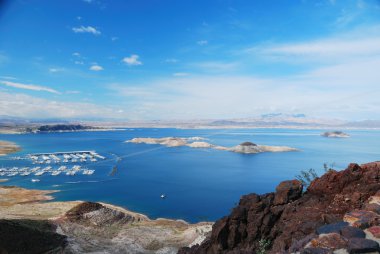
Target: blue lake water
pixel 200 184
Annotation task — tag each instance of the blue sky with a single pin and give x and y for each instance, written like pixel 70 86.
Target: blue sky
pixel 150 59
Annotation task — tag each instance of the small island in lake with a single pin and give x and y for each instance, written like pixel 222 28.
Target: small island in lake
pixel 8 147
pixel 335 134
pixel 196 142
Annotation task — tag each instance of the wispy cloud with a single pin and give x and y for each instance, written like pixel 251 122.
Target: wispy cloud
pixel 215 66
pixel 8 77
pixel 22 105
pixel 96 68
pixel 54 70
pixel 28 86
pixel 171 60
pixel 86 29
pixel 132 60
pixel 357 45
pixel 181 74
pixel 202 42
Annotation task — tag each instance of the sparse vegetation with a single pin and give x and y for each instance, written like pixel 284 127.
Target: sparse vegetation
pixel 263 246
pixel 307 176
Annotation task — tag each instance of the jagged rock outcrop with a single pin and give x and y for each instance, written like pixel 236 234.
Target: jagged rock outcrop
pixel 290 221
pixel 30 236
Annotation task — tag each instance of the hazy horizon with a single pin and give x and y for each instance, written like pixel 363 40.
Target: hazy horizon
pixel 147 60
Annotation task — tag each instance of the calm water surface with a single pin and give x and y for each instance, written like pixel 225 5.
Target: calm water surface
pixel 200 184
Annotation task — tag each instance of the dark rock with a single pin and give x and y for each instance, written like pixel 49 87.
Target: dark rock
pixel 29 237
pixel 316 251
pixel 360 245
pixel 352 232
pixel 248 144
pixel 288 191
pixel 332 228
pixel 327 200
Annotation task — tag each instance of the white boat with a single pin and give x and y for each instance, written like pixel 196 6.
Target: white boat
pixel 55 173
pixel 25 174
pixel 35 180
pixel 163 196
pixel 39 173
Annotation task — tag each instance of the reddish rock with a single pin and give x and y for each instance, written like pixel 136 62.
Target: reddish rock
pixel 362 218
pixel 375 231
pixel 332 241
pixel 257 217
pixel 288 191
pixel 360 245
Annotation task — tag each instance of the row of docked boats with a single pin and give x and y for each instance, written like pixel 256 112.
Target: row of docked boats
pixel 64 157
pixel 38 171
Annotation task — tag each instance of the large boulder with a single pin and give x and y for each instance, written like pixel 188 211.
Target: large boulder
pixel 288 191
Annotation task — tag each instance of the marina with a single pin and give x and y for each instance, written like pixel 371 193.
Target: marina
pixel 53 164
pixel 49 170
pixel 62 157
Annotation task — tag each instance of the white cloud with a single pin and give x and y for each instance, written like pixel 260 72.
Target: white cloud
pixel 29 87
pixel 346 47
pixel 86 29
pixel 77 54
pixel 114 38
pixel 96 68
pixel 54 70
pixel 215 66
pixel 180 74
pixel 88 1
pixel 22 105
pixel 171 60
pixel 202 42
pixel 132 60
pixel 79 62
pixel 348 91
pixel 8 77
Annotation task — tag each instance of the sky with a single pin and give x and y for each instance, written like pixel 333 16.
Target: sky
pixel 189 59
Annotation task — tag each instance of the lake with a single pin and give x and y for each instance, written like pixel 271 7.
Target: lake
pixel 199 184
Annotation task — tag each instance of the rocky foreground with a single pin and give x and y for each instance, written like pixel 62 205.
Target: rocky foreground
pixel 29 224
pixel 198 142
pixel 339 213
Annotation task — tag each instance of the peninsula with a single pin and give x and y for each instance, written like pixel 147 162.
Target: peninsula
pixel 91 227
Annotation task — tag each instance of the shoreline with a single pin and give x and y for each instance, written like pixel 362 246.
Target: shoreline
pixel 108 225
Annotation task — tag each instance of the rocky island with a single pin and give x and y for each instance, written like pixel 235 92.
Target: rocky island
pixel 7 147
pixel 335 134
pixel 196 142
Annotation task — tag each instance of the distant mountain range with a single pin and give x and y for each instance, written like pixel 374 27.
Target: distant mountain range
pixel 271 120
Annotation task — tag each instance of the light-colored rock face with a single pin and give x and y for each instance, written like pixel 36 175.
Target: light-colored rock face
pixel 195 142
pixel 110 229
